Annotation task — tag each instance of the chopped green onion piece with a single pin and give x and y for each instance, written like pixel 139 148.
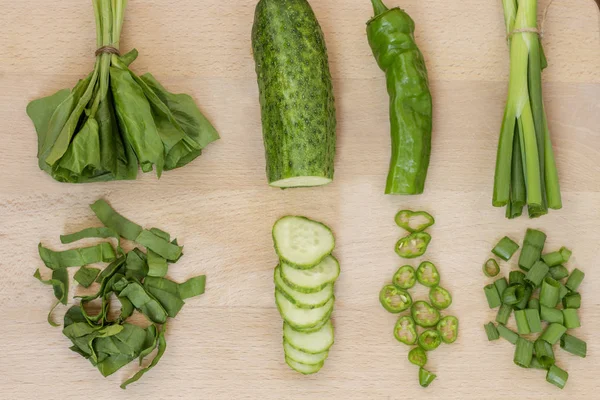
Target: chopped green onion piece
pixel 491 331
pixel 523 353
pixel 572 301
pixel 515 277
pixel 553 259
pixel 551 315
pixel 553 333
pixel 557 376
pixel 544 353
pixel 575 280
pixel 550 292
pixel 417 356
pixel 491 268
pixel 562 292
pixel 537 273
pixel 532 248
pixel 514 294
pixel 501 284
pixel 571 318
pixel 522 325
pixel 425 377
pixel 566 254
pixel 533 320
pixel 559 272
pixel 505 248
pixel 492 296
pixel 522 304
pixel 534 304
pixel 405 277
pixel 573 345
pixel 508 334
pixel 504 314
pixel 535 364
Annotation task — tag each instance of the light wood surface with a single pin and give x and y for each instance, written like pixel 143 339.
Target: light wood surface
pixel 227 343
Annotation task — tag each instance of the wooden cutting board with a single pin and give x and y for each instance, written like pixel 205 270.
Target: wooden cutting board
pixel 227 343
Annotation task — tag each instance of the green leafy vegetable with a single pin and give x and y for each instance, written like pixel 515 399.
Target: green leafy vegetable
pixel 102 252
pixel 86 276
pixel 110 344
pixel 114 120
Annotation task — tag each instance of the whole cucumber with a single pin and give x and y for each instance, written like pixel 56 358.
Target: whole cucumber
pixel 296 94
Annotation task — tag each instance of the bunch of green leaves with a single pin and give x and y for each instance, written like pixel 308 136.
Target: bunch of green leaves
pixel 135 278
pixel 526 173
pixel 114 120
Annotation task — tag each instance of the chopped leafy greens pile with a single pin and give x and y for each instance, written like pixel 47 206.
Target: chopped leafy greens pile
pixel 114 120
pixel 136 278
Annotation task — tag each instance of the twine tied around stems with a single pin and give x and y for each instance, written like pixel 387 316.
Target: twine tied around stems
pixel 107 50
pixel 539 31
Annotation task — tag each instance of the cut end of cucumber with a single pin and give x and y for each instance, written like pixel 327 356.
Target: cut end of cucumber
pixel 301 181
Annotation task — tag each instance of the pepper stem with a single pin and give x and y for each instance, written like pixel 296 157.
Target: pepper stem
pixel 379 7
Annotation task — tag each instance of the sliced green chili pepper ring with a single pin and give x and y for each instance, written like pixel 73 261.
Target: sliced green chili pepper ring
pixel 430 339
pixel 417 356
pixel 405 277
pixel 448 329
pixel 413 245
pixel 440 298
pixel 491 268
pixel 414 221
pixel 394 299
pixel 424 314
pixel 405 330
pixel 427 274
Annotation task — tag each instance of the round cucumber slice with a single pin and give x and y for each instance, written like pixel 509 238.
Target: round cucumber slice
pixel 311 280
pixel 312 343
pixel 301 242
pixel 302 318
pixel 304 369
pixel 303 300
pixel 303 357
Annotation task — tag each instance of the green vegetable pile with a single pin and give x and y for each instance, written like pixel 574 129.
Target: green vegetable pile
pixel 136 278
pixel 114 120
pixel 304 281
pixel 424 326
pixel 545 299
pixel 391 37
pixel 526 173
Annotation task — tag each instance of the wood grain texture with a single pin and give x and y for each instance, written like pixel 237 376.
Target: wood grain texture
pixel 227 343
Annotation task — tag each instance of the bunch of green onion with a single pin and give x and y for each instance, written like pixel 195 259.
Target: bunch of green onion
pixel 526 173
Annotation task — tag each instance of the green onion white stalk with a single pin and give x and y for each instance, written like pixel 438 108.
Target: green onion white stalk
pixel 526 173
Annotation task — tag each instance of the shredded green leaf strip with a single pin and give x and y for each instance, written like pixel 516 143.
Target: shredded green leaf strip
pixel 115 221
pixel 166 292
pixel 159 245
pixel 86 276
pixel 162 346
pixel 192 287
pixel 102 252
pixel 144 302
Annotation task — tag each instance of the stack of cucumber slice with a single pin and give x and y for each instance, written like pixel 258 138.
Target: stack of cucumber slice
pixel 304 282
